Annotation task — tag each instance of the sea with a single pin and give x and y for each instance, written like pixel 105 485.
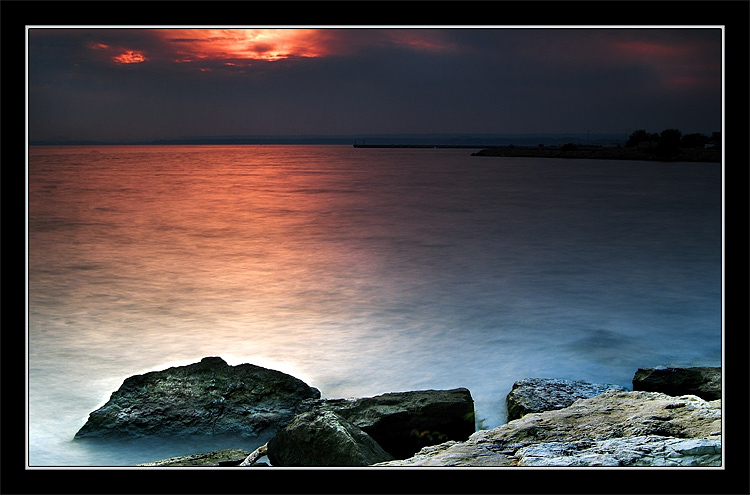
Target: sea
pixel 360 271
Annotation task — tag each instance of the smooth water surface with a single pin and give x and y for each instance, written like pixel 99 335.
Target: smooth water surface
pixel 359 271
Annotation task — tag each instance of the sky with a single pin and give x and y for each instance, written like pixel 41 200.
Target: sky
pixel 143 83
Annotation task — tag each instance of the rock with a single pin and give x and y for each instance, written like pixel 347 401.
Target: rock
pixel 705 382
pixel 217 458
pixel 475 452
pixel 360 432
pixel 611 415
pixel 205 398
pixel 404 422
pixel 545 394
pixel 650 450
pixel 323 438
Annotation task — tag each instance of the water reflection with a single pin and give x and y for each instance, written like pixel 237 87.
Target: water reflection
pixel 358 271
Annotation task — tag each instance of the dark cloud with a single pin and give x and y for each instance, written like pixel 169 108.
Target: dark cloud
pixel 372 81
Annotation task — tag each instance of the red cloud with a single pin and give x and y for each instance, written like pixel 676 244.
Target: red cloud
pixel 277 44
pixel 124 55
pixel 678 65
pixel 650 49
pixel 130 57
pixel 248 44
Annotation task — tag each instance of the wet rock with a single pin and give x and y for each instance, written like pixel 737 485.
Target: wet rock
pixel 217 458
pixel 650 450
pixel 705 382
pixel 546 394
pixel 323 438
pixel 205 398
pixel 404 422
pixel 611 415
pixel 359 432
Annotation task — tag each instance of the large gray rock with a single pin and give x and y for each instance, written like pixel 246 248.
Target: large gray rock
pixel 607 416
pixel 546 394
pixel 323 438
pixel 649 450
pixel 404 422
pixel 205 398
pixel 705 382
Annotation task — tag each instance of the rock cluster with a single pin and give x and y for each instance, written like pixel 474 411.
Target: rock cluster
pixel 211 398
pixel 360 432
pixel 612 429
pixel 671 418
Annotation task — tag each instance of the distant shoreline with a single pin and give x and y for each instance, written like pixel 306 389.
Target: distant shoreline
pixel 540 151
pixel 478 141
pixel 470 146
pixel 578 152
pixel 600 153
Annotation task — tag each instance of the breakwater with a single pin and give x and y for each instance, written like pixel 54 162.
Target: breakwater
pixel 579 152
pixel 469 146
pixel 601 153
pixel 672 417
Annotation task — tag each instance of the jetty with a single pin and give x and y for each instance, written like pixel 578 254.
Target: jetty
pixel 467 146
pixel 603 153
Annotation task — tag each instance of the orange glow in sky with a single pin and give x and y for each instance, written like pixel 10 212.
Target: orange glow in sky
pixel 427 40
pixel 130 57
pixel 247 44
pixel 240 47
pixel 124 56
pixel 678 66
pixel 650 49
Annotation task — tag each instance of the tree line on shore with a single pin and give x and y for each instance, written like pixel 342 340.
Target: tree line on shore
pixel 670 140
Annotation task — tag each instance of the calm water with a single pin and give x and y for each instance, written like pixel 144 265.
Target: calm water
pixel 360 271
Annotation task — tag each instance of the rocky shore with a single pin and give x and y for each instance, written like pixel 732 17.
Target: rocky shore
pixel 672 417
pixel 601 153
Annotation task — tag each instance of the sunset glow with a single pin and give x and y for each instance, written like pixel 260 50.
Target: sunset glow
pixel 650 49
pixel 130 57
pixel 425 40
pixel 678 66
pixel 120 55
pixel 221 81
pixel 244 44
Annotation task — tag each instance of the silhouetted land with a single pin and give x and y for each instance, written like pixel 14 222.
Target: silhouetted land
pixel 419 146
pixel 601 153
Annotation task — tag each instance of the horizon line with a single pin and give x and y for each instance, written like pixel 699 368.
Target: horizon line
pixel 285 138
